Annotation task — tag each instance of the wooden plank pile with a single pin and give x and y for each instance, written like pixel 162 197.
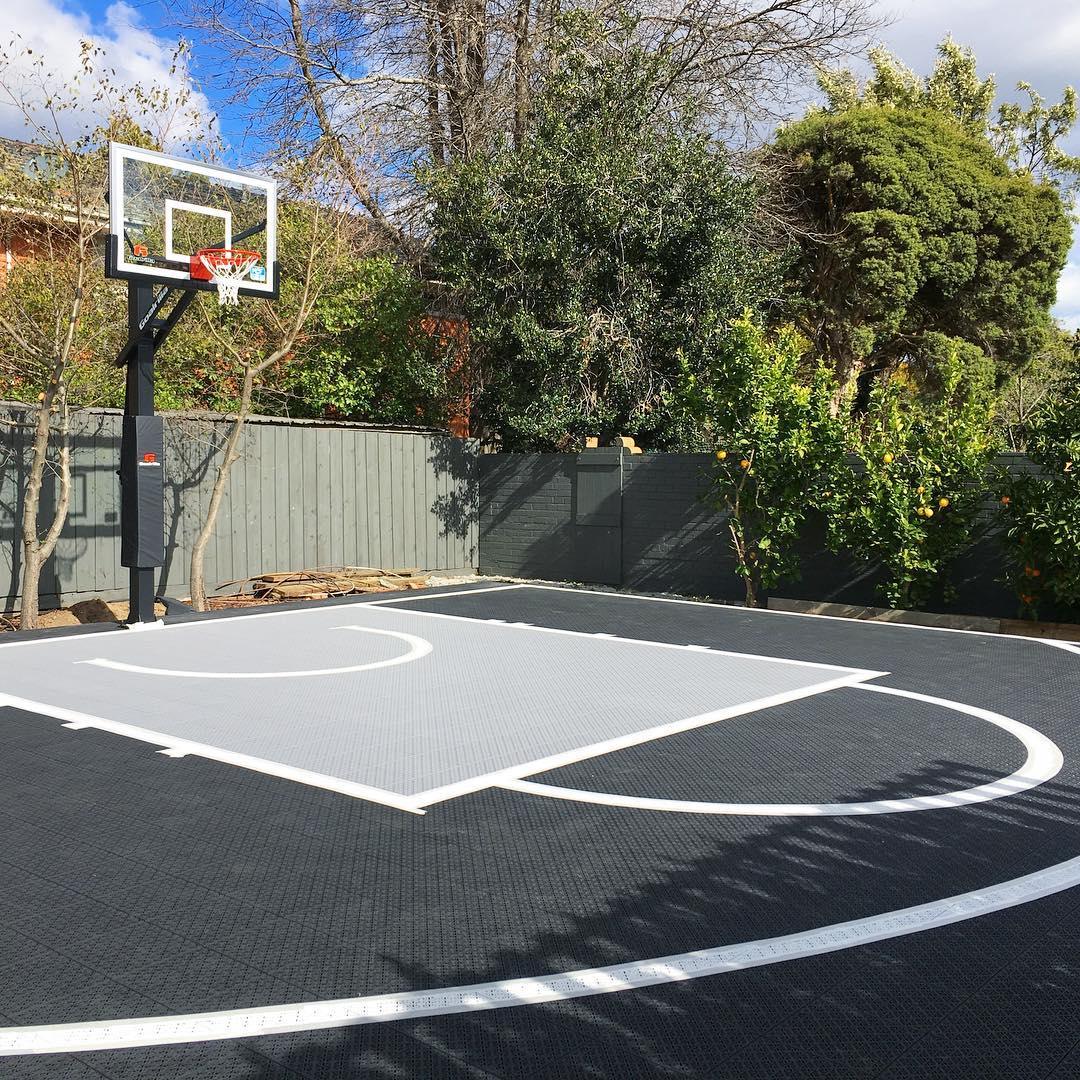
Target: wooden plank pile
pixel 325 581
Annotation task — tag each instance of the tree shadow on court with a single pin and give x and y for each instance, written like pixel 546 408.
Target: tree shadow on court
pixel 934 996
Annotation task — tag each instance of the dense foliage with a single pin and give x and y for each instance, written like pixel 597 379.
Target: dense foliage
pixel 376 360
pixel 765 410
pixel 910 499
pixel 1041 509
pixel 616 239
pixel 916 228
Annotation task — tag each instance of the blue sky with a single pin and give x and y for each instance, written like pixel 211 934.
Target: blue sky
pixel 1010 40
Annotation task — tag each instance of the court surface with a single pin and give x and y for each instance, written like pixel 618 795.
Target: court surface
pixel 526 831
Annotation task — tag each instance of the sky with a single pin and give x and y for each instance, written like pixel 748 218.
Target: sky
pixel 1009 38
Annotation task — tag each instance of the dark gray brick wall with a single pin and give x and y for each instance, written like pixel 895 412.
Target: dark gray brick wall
pixel 671 541
pixel 527 522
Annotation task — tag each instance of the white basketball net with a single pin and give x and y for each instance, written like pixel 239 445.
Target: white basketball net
pixel 227 274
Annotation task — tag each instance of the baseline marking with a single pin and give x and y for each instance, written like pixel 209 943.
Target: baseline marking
pixel 418 648
pixel 118 632
pixel 801 615
pixel 383 1008
pixel 1044 761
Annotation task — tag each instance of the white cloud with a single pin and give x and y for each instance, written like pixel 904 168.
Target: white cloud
pixel 1038 43
pixel 133 54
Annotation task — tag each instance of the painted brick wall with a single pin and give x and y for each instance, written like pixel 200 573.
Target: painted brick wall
pixel 669 541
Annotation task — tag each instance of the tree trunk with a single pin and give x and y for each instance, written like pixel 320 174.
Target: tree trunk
pixel 37 550
pixel 434 73
pixel 521 77
pixel 197 576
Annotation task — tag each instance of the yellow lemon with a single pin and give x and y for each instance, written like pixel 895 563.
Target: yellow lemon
pixel 943 503
pixel 721 454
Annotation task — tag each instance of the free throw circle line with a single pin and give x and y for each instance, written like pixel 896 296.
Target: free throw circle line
pixel 1044 761
pixel 418 648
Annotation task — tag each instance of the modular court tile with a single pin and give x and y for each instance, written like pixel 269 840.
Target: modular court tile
pixel 150 902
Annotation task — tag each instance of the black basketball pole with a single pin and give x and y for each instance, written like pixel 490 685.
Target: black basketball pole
pixel 142 489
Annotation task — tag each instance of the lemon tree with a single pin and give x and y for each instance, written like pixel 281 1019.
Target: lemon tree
pixel 1041 509
pixel 910 496
pixel 765 410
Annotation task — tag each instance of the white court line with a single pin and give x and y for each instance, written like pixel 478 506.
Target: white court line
pixel 800 614
pixel 1044 761
pixel 246 616
pixel 1068 646
pixel 588 635
pixel 184 747
pixel 382 1008
pixel 500 777
pixel 418 648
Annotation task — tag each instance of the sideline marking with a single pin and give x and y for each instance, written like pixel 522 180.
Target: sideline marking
pixel 1044 761
pixel 381 1008
pixel 590 636
pixel 182 747
pixel 418 648
pixel 500 777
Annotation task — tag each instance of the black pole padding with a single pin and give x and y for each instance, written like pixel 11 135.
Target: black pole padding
pixel 142 462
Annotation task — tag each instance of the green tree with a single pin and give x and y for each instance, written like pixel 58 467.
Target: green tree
pixel 614 239
pixel 914 227
pixel 764 409
pixel 376 359
pixel 1028 137
pixel 58 315
pixel 259 337
pixel 910 498
pixel 1041 508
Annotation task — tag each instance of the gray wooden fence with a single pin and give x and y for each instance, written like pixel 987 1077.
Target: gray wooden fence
pixel 303 495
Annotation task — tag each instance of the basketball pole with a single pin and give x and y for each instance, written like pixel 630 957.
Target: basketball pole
pixel 142 441
pixel 142 489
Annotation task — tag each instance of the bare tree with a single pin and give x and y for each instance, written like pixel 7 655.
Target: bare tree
pixel 58 315
pixel 387 84
pixel 267 334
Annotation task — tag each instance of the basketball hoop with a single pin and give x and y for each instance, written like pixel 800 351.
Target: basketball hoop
pixel 224 267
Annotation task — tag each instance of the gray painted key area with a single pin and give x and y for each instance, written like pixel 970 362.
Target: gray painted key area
pixel 484 697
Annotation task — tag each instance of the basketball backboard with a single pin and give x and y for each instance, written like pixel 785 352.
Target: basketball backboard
pixel 163 210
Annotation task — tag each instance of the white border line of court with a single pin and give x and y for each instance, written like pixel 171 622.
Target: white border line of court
pixel 1044 761
pixel 410 1005
pixel 182 747
pixel 702 650
pixel 500 777
pixel 246 615
pixel 415 803
pixel 1069 646
pixel 418 648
